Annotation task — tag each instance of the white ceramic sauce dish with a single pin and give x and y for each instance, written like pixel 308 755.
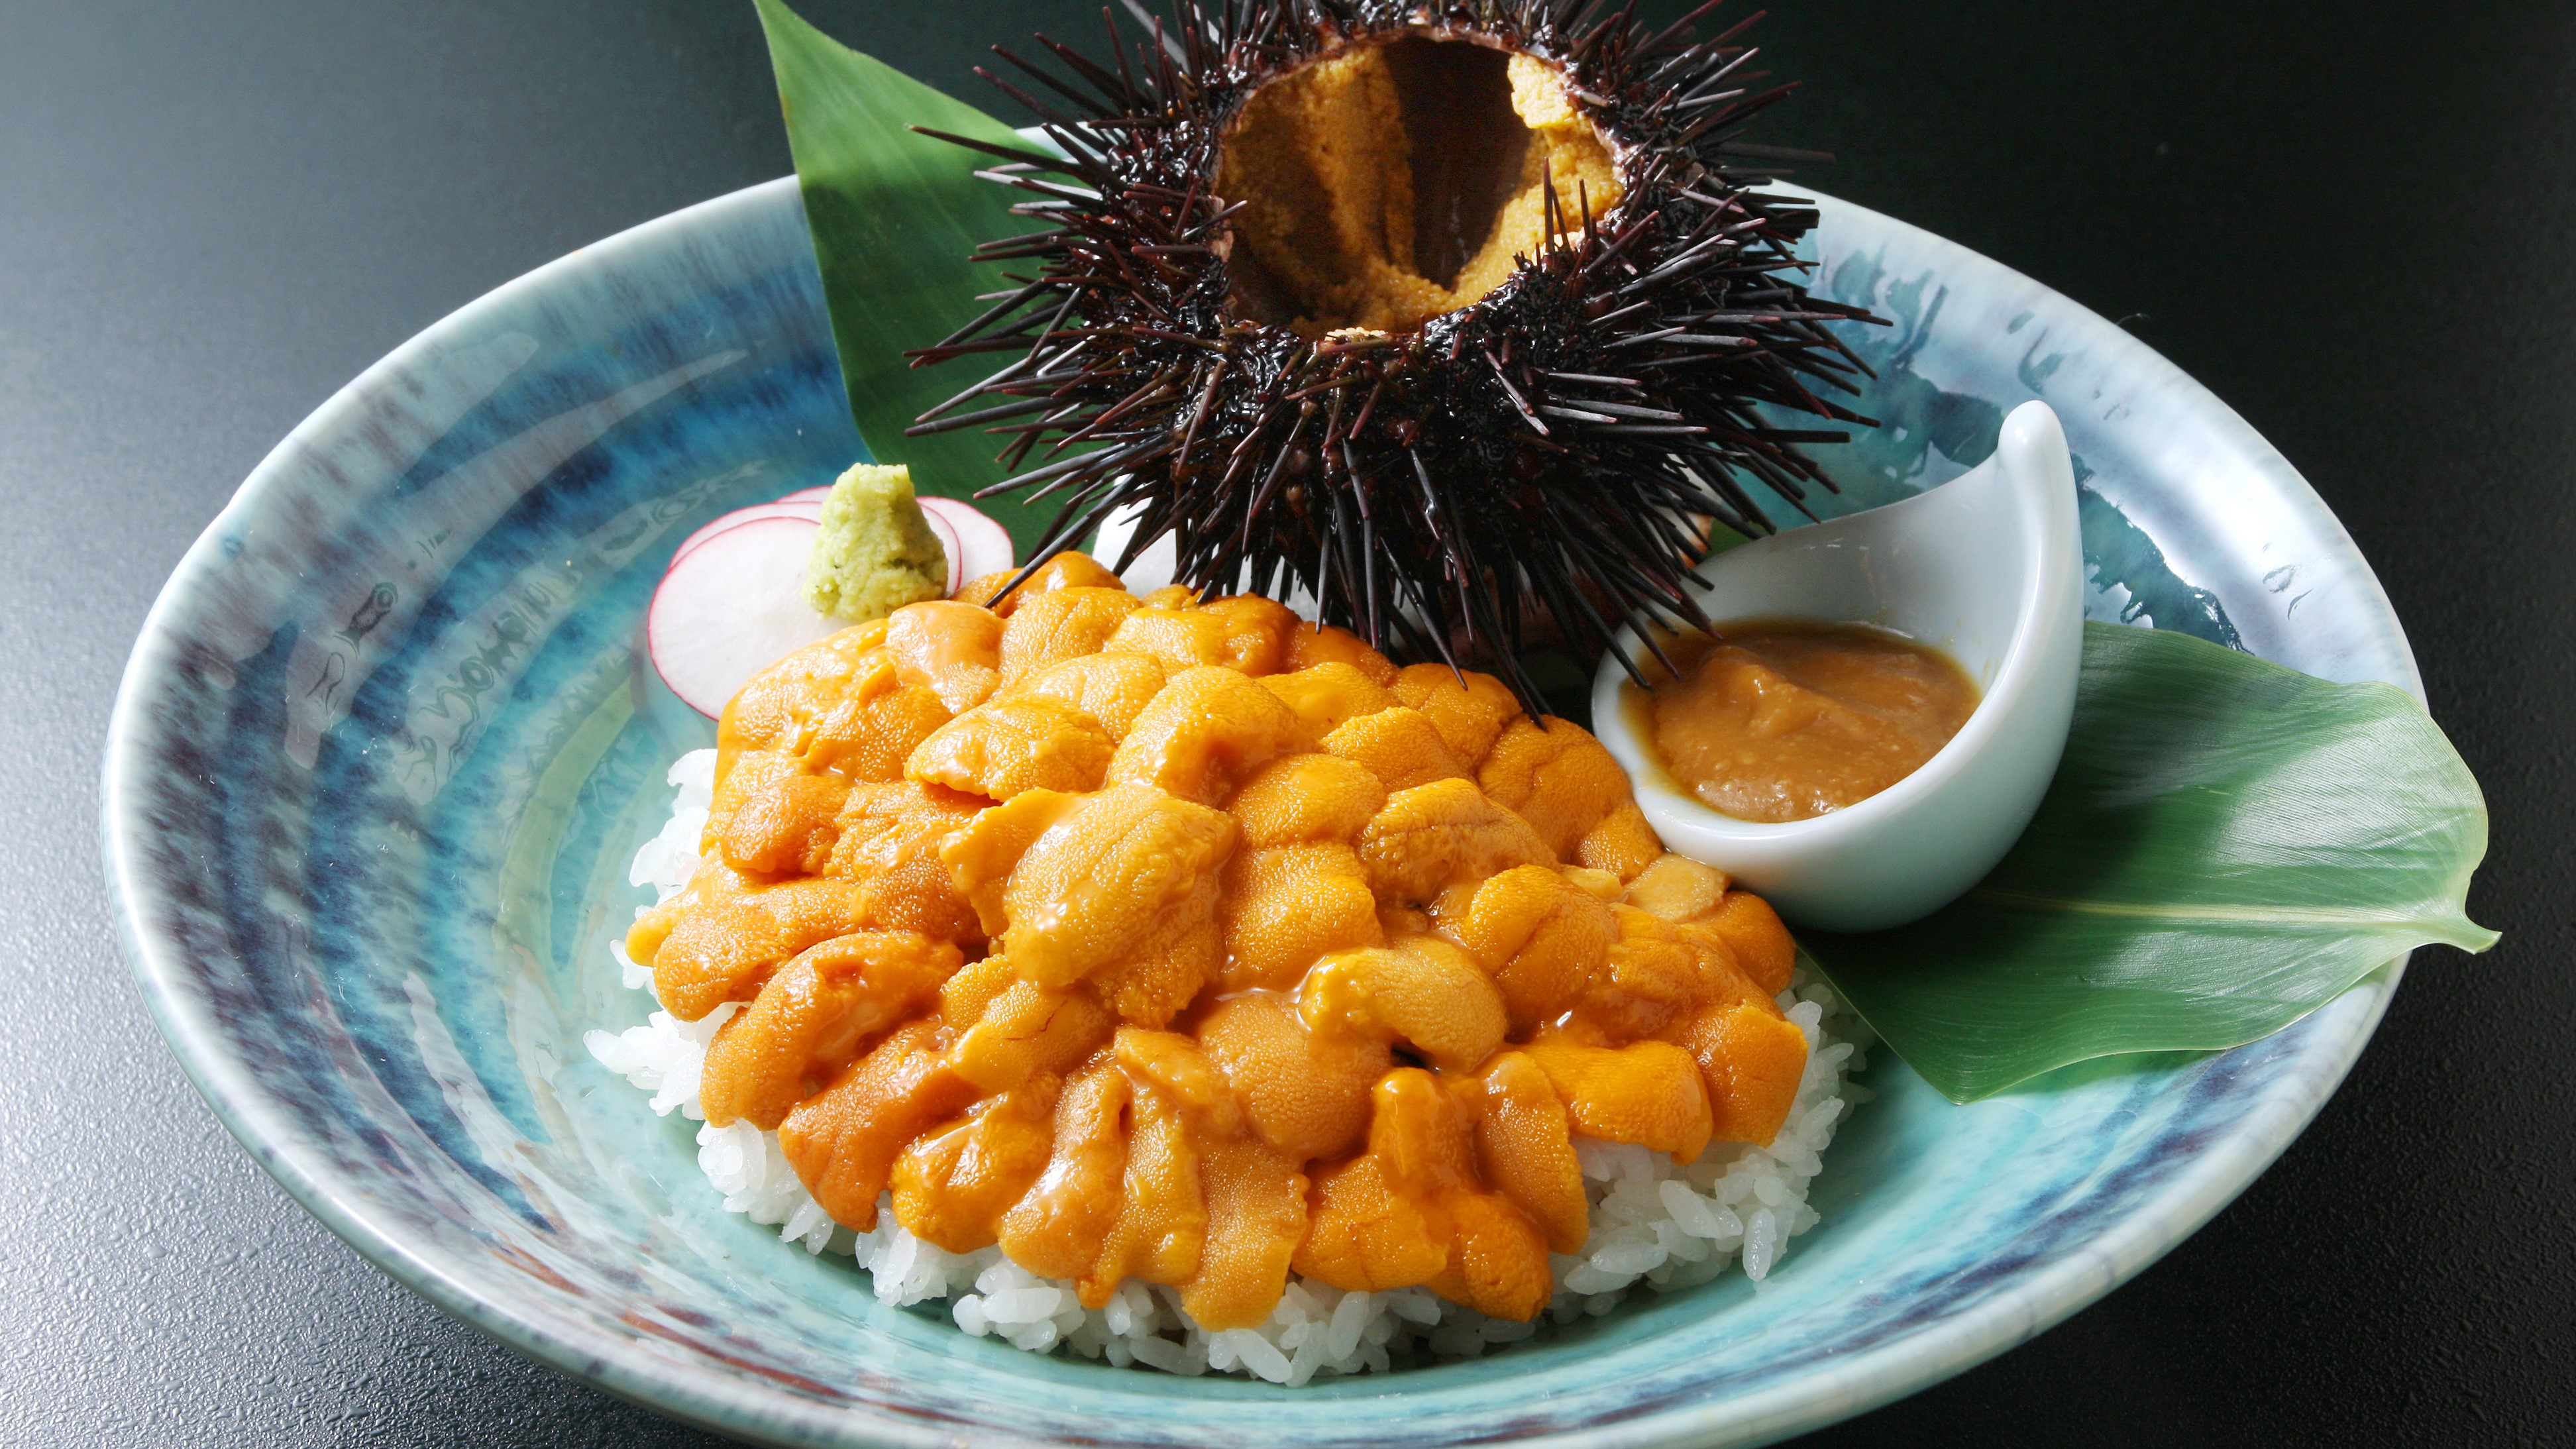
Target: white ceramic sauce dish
pixel 1989 569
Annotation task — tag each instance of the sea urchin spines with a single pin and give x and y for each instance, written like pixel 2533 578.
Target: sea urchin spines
pixel 1460 398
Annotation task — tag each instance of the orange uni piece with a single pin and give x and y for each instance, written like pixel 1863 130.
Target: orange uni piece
pixel 1761 944
pixel 1019 742
pixel 1622 844
pixel 1064 624
pixel 1309 645
pixel 1059 1227
pixel 778 707
pixel 1647 1092
pixel 1207 730
pixel 888 839
pixel 1421 993
pixel 1064 571
pixel 1189 943
pixel 1677 888
pixel 1024 1031
pixel 1111 688
pixel 1180 638
pixel 952 649
pixel 1256 633
pixel 719 939
pixel 1446 833
pixel 1256 1217
pixel 1123 885
pixel 1287 907
pixel 1162 1222
pixel 1400 746
pixel 1469 712
pixel 1560 779
pixel 1408 1212
pixel 1751 1059
pixel 1305 1094
pixel 1652 975
pixel 773 818
pixel 874 728
pixel 843 1140
pixel 1325 696
pixel 1539 935
pixel 811 1016
pixel 952 1184
pixel 1525 1149
pixel 1304 800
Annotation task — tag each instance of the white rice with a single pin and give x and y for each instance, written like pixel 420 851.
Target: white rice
pixel 1652 1223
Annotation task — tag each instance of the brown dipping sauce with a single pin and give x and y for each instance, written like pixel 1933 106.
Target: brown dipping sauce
pixel 1787 719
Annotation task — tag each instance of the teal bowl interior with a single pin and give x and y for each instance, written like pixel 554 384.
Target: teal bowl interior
pixel 382 754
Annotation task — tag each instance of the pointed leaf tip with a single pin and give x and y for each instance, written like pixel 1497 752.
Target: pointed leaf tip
pixel 894 217
pixel 2228 846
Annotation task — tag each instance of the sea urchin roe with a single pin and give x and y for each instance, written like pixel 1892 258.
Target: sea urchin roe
pixel 1201 973
pixel 1388 183
pixel 1791 720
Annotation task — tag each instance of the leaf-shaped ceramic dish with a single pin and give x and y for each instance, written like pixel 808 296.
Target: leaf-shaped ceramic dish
pixel 380 759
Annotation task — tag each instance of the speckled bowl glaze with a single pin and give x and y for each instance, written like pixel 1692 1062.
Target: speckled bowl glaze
pixel 381 755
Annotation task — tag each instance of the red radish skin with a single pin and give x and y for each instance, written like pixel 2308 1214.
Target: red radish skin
pixel 731 607
pixel 983 546
pixel 948 545
pixel 788 507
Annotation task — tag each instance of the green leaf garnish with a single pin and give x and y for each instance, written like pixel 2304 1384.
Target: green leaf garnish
pixel 894 217
pixel 2227 846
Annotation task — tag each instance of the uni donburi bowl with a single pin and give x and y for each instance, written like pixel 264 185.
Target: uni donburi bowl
pixel 378 763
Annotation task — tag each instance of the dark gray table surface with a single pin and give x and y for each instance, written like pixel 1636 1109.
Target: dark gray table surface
pixel 2356 224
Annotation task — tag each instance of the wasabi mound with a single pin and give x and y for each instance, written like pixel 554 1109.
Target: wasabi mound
pixel 875 552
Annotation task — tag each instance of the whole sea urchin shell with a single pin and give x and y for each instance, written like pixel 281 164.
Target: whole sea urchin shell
pixel 1544 453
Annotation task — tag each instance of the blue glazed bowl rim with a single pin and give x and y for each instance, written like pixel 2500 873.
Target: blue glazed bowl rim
pixel 717 1398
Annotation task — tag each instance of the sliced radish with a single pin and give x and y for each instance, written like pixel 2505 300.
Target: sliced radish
pixel 983 546
pixel 731 607
pixel 788 507
pixel 948 545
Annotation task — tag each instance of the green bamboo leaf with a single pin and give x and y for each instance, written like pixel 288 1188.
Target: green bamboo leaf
pixel 894 216
pixel 2228 846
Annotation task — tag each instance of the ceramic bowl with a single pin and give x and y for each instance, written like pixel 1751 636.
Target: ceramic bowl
pixel 1989 569
pixel 379 761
